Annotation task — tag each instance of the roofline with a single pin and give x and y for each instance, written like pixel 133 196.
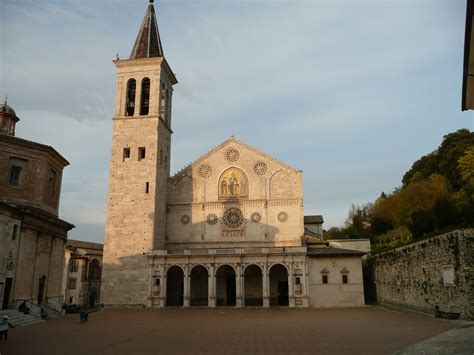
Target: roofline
pixel 36 145
pixel 227 141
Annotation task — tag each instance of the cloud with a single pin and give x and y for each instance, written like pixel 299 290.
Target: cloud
pixel 352 92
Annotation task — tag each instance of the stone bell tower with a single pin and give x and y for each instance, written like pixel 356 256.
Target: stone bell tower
pixel 139 168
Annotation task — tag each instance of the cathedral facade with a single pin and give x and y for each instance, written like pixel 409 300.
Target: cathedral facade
pixel 228 230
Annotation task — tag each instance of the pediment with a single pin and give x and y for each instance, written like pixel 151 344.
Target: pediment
pixel 232 152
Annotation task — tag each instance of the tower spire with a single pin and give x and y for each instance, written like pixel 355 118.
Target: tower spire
pixel 148 42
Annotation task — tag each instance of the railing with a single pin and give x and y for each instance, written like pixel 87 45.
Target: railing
pixel 231 251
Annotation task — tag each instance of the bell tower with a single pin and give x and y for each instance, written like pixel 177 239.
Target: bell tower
pixel 139 168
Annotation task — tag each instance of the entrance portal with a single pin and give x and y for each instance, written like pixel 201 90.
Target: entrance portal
pixel 174 286
pixel 7 292
pixel 199 286
pixel 42 284
pixel 225 286
pixel 253 286
pixel 278 285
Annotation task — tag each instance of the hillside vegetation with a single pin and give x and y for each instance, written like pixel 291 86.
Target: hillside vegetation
pixel 436 195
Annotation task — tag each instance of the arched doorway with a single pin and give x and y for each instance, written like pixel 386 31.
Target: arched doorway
pixel 278 285
pixel 199 286
pixel 95 270
pixel 225 286
pixel 41 287
pixel 174 286
pixel 253 286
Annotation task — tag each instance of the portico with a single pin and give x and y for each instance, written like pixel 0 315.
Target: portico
pixel 240 277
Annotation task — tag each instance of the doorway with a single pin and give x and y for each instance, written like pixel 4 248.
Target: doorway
pixel 7 292
pixel 42 284
pixel 225 286
pixel 278 286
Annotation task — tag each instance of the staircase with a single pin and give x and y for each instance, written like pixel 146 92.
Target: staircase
pixel 17 318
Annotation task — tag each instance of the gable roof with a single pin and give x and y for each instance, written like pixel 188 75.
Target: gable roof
pixel 231 140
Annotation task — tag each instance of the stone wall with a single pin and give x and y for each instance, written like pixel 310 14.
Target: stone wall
pixel 436 272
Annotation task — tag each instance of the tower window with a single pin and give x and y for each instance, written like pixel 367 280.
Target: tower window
pixel 344 279
pixel 15 231
pixel 141 153
pixel 147 187
pixel 51 182
pixel 15 175
pixel 161 157
pixel 164 102
pixel 145 97
pixel 126 153
pixel 130 102
pixel 325 279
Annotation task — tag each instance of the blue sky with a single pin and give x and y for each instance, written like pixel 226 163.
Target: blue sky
pixel 351 92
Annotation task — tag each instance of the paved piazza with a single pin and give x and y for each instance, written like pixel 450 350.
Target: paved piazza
pixel 367 330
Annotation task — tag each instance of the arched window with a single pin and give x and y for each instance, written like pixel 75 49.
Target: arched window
pixel 130 101
pixel 95 270
pixel 72 265
pixel 145 97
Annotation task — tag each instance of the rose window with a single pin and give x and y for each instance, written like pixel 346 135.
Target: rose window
pixel 205 171
pixel 211 219
pixel 232 155
pixel 256 217
pixel 260 168
pixel 282 217
pixel 233 218
pixel 185 219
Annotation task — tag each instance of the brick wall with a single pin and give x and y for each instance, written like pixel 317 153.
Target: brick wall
pixel 437 272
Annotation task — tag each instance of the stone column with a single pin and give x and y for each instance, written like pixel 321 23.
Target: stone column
pixel 211 289
pixel 186 286
pixel 291 292
pixel 239 287
pixel 265 284
pixel 162 296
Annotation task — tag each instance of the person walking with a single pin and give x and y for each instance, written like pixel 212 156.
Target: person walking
pixel 4 325
pixel 84 316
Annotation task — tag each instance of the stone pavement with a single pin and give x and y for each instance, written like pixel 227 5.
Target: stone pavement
pixel 365 330
pixel 456 341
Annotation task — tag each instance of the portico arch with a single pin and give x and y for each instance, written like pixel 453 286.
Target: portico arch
pixel 253 286
pixel 225 286
pixel 199 286
pixel 174 286
pixel 278 285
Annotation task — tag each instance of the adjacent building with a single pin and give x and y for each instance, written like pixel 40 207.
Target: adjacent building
pixel 82 273
pixel 32 236
pixel 227 230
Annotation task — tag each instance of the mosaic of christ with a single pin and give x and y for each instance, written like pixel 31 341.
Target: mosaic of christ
pixel 233 184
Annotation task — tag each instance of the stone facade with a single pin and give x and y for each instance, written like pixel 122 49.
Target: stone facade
pixel 436 273
pixel 227 230
pixel 82 273
pixel 32 237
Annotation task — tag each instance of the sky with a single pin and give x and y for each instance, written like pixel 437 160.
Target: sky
pixel 351 92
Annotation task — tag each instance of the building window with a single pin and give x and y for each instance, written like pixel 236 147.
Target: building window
pixel 71 283
pixel 141 153
pixel 130 102
pixel 145 98
pixel 15 175
pixel 325 279
pixel 344 279
pixel 147 187
pixel 15 231
pixel 73 265
pixel 126 153
pixel 51 182
pixel 157 282
pixel 298 280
